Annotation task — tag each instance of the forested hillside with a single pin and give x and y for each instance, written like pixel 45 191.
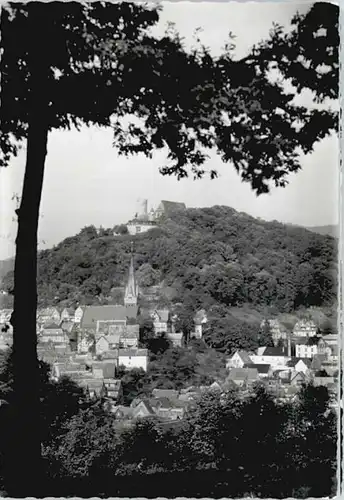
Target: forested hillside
pixel 209 257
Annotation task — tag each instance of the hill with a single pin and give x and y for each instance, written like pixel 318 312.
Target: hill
pixel 216 258
pixel 330 230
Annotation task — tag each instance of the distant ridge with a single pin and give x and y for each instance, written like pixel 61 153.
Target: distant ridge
pixel 330 230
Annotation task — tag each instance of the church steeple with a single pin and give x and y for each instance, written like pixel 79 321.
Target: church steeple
pixel 132 289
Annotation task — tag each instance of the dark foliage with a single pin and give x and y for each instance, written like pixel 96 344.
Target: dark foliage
pixel 59 401
pixel 210 257
pixel 226 447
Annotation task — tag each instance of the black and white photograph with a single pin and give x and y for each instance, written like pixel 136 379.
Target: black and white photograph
pixel 170 288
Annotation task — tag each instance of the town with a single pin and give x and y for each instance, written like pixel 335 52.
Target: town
pixel 188 347
pixel 92 345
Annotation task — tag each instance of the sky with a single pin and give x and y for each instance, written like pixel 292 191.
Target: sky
pixel 86 182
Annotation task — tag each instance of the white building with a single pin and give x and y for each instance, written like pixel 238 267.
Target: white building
pixel 305 328
pixel 143 221
pixel 161 320
pixel 68 314
pixel 272 356
pixel 48 315
pixel 308 348
pixel 238 360
pixel 133 358
pixel 53 333
pixel 136 226
pixel 79 314
pixel 200 319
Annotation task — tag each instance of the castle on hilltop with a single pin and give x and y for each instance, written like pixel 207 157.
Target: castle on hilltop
pixel 144 220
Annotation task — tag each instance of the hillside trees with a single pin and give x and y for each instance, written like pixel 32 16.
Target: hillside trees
pixel 186 102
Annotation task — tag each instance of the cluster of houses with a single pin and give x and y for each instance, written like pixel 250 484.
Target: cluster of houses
pixel 91 344
pixel 304 356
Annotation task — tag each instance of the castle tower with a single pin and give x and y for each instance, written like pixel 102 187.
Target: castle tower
pixel 132 289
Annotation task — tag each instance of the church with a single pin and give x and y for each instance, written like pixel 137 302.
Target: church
pixel 116 325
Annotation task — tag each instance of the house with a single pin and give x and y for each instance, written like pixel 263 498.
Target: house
pixel 273 356
pixel 130 337
pixel 98 317
pixel 305 328
pixel 300 364
pixel 278 331
pixel 133 358
pixel 114 341
pixel 49 315
pixel 60 369
pixel 323 346
pixel 53 333
pixel 143 409
pixel 111 327
pixel 68 314
pixel 317 361
pixel 321 377
pixel 243 376
pixel 102 345
pixel 264 370
pixel 122 412
pixel 177 339
pixel 94 387
pixel 283 375
pixel 168 410
pixel 200 319
pixel 112 354
pixel 161 321
pixel 238 360
pixel 85 343
pixel 308 347
pixel 216 387
pixel 169 394
pixel 103 369
pixel 67 326
pixel 79 312
pixel 331 339
pixel 113 388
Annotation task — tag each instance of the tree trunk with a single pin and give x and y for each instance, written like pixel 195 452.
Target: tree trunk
pixel 24 476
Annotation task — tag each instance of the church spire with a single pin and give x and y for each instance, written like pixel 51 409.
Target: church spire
pixel 131 290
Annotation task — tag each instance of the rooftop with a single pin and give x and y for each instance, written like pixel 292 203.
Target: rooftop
pixel 132 352
pixel 92 314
